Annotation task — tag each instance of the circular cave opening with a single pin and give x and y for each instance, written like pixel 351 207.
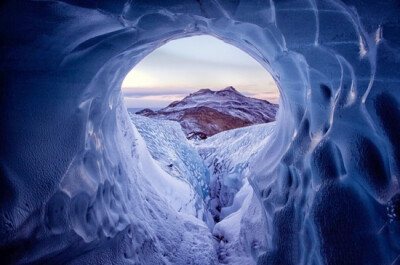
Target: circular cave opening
pixel 205 111
pixel 82 187
pixel 220 87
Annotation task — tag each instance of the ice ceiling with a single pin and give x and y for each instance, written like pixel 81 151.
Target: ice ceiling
pixel 71 178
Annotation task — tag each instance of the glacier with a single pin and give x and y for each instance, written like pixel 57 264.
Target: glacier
pixel 241 226
pixel 79 185
pixel 168 146
pixel 227 155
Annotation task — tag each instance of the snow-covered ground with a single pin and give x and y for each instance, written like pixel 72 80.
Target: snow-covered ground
pixel 168 199
pixel 168 146
pixel 240 229
pixel 228 155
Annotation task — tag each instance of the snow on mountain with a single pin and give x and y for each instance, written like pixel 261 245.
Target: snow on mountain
pixel 206 112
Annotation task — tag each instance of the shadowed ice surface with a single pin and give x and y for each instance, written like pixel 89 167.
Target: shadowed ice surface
pixel 78 185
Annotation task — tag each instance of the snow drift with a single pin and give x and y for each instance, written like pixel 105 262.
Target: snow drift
pixel 72 186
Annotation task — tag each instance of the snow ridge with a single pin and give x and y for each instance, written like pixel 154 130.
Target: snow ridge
pixel 207 112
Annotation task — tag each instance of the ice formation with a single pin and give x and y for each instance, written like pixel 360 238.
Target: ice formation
pixel 241 227
pixel 227 155
pixel 75 182
pixel 167 144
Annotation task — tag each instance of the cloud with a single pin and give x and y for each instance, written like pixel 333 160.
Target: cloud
pixel 162 57
pixel 145 92
pixel 158 99
pixel 186 65
pixel 272 97
pixel 154 101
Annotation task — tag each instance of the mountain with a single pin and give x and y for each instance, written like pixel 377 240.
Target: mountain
pixel 207 112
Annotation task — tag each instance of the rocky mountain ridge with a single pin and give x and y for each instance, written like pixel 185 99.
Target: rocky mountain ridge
pixel 207 112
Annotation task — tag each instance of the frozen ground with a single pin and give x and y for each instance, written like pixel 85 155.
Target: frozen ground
pixel 241 227
pixel 240 230
pixel 167 144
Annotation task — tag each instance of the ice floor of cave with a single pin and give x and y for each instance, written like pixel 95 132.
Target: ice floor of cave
pixel 197 177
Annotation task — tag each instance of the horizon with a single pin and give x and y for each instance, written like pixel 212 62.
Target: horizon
pixel 184 66
pixel 157 108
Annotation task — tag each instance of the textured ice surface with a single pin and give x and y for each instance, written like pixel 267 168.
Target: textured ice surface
pixel 242 233
pixel 241 229
pixel 72 188
pixel 228 155
pixel 168 145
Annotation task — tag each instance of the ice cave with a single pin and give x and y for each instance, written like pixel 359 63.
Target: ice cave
pixel 78 183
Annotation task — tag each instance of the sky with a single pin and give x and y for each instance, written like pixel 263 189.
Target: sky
pixel 186 65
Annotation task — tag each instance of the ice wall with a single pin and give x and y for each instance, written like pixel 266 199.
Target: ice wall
pixel 329 181
pixel 228 155
pixel 240 228
pixel 169 147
